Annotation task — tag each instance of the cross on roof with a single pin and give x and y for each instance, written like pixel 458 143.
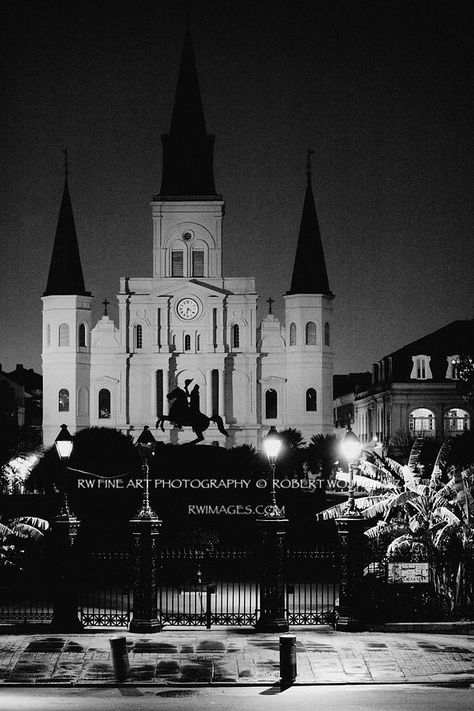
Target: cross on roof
pixel 270 301
pixel 309 153
pixel 106 303
pixel 66 163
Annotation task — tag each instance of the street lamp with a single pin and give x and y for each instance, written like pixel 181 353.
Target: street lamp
pixel 272 445
pixel 64 445
pixel 351 448
pixel 146 444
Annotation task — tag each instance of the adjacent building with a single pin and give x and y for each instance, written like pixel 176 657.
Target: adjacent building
pixel 415 389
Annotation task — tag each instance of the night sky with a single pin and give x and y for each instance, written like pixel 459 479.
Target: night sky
pixel 382 91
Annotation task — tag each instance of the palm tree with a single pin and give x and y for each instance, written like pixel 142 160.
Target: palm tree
pixel 16 535
pixel 437 511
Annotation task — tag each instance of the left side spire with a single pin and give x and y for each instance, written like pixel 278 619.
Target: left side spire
pixel 65 271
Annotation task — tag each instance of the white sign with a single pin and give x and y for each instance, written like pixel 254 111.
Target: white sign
pixel 408 573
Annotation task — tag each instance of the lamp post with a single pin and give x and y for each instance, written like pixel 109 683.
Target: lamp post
pixel 272 525
pixel 272 446
pixel 351 448
pixel 146 445
pixel 145 527
pixel 350 527
pixel 64 445
pixel 65 527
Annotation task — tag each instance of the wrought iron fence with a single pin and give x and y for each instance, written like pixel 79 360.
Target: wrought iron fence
pixel 104 582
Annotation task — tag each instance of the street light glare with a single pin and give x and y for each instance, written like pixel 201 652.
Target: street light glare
pixel 350 446
pixel 272 444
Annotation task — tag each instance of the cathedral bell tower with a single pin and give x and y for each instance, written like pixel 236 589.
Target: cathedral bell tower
pixel 308 320
pixel 187 212
pixel 66 332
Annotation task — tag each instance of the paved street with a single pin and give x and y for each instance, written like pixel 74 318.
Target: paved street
pixel 303 698
pixel 235 656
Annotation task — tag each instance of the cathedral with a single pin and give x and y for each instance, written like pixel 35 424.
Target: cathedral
pixel 188 324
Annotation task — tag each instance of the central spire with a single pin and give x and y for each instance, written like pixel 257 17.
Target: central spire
pixel 188 149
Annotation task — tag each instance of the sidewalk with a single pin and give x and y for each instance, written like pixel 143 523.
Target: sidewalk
pixel 237 657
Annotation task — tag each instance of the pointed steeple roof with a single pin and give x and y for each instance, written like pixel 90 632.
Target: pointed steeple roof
pixel 309 270
pixel 65 271
pixel 187 149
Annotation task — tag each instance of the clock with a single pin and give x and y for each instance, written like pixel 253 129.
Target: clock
pixel 187 308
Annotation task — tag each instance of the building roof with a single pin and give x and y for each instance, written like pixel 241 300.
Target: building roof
pixel 26 377
pixel 188 150
pixel 65 271
pixel 309 270
pixel 454 339
pixel 350 383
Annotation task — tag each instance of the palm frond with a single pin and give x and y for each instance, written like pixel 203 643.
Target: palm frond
pixel 448 516
pixel 339 509
pixel 40 523
pixel 441 460
pixel 415 453
pixel 388 502
pixel 23 530
pixel 5 530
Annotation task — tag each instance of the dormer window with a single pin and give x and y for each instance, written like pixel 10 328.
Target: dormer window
pixel 452 371
pixel 421 368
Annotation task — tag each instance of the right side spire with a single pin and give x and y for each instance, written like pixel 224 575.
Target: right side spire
pixel 309 270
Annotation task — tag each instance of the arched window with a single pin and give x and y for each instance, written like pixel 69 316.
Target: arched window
pixel 422 422
pixel 198 262
pixel 311 400
pixel 327 334
pixel 310 333
pixel 456 421
pixel 63 400
pixel 292 334
pixel 187 342
pixel 82 335
pixel 177 263
pixel 138 336
pixel 104 404
pixel 271 404
pixel 235 335
pixel 64 334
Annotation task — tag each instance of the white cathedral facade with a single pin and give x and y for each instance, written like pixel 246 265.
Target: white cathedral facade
pixel 188 321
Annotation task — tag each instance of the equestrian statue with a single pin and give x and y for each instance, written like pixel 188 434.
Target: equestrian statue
pixel 184 412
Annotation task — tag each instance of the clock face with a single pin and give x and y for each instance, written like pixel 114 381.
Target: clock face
pixel 187 308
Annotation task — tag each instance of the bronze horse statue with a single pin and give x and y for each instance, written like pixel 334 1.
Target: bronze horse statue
pixel 182 414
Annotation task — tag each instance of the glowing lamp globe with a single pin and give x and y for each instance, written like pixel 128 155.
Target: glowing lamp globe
pixel 351 446
pixel 64 443
pixel 272 444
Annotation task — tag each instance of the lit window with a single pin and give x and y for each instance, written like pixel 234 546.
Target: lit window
pixel 64 334
pixel 452 371
pixel 327 334
pixel 138 336
pixel 292 334
pixel 311 400
pixel 198 263
pixel 235 336
pixel 271 404
pixel 310 333
pixel 456 421
pixel 422 422
pixel 104 404
pixel 63 400
pixel 421 368
pixel 82 335
pixel 177 261
pixel 187 343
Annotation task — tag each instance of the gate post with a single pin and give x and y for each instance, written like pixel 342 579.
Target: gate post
pixel 64 530
pixel 350 531
pixel 145 530
pixel 272 586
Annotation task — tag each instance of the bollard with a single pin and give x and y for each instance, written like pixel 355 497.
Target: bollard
pixel 118 647
pixel 288 670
